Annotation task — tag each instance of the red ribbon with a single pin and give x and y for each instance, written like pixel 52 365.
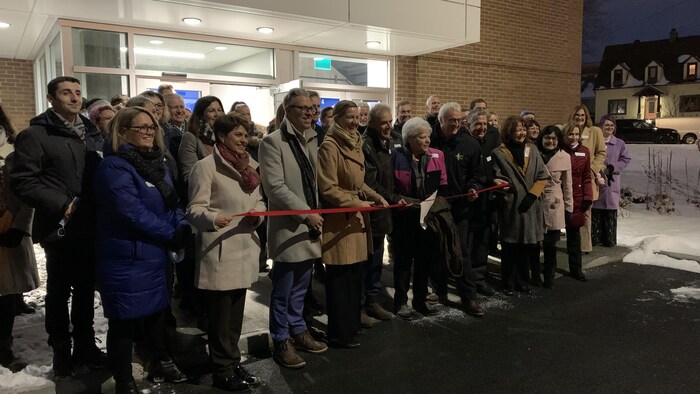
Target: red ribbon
pixel 291 212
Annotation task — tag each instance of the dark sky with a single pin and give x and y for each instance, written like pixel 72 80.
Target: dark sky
pixel 609 22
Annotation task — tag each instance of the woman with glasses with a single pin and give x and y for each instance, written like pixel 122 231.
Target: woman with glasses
pixel 519 163
pixel 592 138
pixel 138 226
pixel 347 237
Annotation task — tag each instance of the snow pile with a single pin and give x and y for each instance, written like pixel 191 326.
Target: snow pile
pixel 647 252
pixel 685 294
pixel 31 376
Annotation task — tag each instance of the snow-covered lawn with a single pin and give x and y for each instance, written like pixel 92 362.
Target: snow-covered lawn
pixel 646 232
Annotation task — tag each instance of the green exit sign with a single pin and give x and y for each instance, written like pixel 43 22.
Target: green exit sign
pixel 322 64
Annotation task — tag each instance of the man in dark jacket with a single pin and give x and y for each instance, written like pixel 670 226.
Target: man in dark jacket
pixel 485 214
pixel 403 113
pixel 433 105
pixel 55 161
pixel 465 174
pixel 379 175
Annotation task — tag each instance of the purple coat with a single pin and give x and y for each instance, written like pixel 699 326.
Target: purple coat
pixel 618 156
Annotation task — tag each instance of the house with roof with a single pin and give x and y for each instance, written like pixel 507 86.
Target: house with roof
pixel 650 80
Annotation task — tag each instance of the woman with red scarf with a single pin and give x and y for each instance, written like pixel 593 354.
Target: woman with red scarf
pixel 221 185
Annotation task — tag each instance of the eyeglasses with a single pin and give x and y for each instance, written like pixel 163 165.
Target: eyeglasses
pixel 579 115
pixel 454 121
pixel 304 109
pixel 144 129
pixel 159 106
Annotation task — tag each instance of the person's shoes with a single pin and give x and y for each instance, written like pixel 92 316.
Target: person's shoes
pixel 404 312
pixel 9 361
pixel 432 298
pixel 285 355
pixel 579 275
pixel 376 311
pixel 507 291
pixel 166 371
pixel 485 290
pixel 23 308
pixel 473 308
pixel 62 362
pixel 335 343
pixel 126 386
pixel 246 376
pixel 425 309
pixel 230 383
pixel 366 321
pixel 86 353
pixel 306 343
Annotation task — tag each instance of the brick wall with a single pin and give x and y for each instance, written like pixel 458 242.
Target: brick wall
pixel 17 90
pixel 529 56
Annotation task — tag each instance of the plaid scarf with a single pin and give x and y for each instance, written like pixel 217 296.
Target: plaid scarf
pixel 77 126
pixel 206 134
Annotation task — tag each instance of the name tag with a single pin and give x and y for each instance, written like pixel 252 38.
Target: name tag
pixel 101 154
pixel 434 155
pixel 580 154
pixel 488 159
pixel 527 152
pixel 397 146
pixel 149 184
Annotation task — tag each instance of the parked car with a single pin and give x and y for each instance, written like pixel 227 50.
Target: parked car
pixel 688 127
pixel 639 131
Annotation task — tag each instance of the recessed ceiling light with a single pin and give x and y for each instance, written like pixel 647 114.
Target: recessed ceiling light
pixel 265 30
pixel 156 42
pixel 192 21
pixel 4 25
pixel 373 44
pixel 220 48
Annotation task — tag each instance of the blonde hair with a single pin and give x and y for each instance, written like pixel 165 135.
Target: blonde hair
pixel 123 120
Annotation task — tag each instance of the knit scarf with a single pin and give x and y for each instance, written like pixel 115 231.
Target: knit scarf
pixel 353 139
pixel 517 149
pixel 77 126
pixel 240 163
pixel 548 154
pixel 308 175
pixel 151 167
pixel 206 134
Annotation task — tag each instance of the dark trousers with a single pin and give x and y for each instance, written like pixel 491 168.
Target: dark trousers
pixel 120 342
pixel 289 284
pixel 480 238
pixel 515 264
pixel 70 268
pixel 604 227
pixel 261 230
pixel 466 283
pixel 225 310
pixel 343 292
pixel 420 255
pixel 549 249
pixel 573 248
pixel 185 277
pixel 8 305
pixel 534 259
pixel 372 284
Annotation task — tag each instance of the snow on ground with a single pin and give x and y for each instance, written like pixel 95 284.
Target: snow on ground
pixel 685 294
pixel 31 376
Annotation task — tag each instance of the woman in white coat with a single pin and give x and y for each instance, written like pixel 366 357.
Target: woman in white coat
pixel 221 185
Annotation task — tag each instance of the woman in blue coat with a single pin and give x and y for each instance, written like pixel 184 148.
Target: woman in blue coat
pixel 138 224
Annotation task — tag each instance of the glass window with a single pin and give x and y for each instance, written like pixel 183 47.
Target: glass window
pixel 653 71
pixel 617 77
pixel 201 57
pixel 56 57
pixel 692 70
pixel 344 70
pixel 617 106
pixel 96 48
pixel 689 103
pixel 103 85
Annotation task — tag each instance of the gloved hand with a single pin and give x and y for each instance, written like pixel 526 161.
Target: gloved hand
pixel 527 203
pixel 181 235
pixel 12 238
pixel 586 205
pixel 567 216
pixel 610 172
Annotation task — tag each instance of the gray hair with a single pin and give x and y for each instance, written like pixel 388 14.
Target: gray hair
pixel 413 127
pixel 377 110
pixel 363 104
pixel 313 93
pixel 427 102
pixel 138 101
pixel 475 113
pixel 296 92
pixel 447 107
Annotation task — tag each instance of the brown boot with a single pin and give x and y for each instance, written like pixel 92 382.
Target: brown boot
pixel 376 311
pixel 366 321
pixel 286 356
pixel 306 343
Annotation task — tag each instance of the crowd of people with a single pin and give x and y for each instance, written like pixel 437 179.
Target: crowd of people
pixel 139 199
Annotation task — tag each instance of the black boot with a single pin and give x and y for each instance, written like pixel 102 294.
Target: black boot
pixel 126 386
pixel 86 353
pixel 166 371
pixel 7 357
pixel 534 259
pixel 550 263
pixel 62 362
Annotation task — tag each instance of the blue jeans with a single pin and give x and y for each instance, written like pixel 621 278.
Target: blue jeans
pixel 289 284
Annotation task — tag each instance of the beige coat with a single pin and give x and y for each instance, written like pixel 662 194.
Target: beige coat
pixel 558 194
pixel 227 258
pixel 287 236
pixel 347 237
pixel 592 138
pixel 18 271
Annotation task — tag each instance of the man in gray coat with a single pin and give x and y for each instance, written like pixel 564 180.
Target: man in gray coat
pixel 288 175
